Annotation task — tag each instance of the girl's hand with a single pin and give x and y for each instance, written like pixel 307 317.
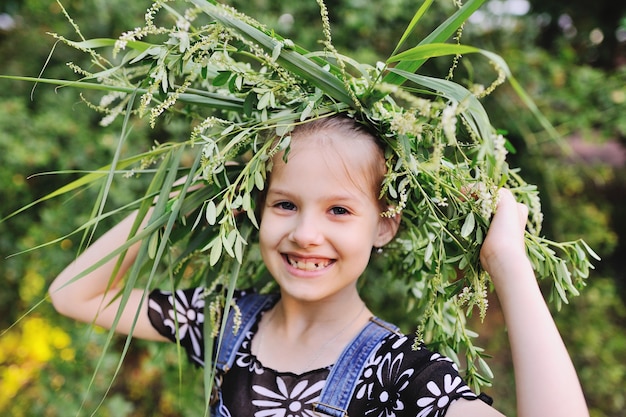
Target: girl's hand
pixel 504 245
pixel 545 379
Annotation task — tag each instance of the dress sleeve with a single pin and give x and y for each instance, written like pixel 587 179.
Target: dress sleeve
pixel 399 380
pixel 438 385
pixel 179 316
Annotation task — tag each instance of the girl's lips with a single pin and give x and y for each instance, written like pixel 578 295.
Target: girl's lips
pixel 308 264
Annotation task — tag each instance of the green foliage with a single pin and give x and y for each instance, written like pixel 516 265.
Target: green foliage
pixel 595 332
pixel 240 84
pixel 52 367
pixel 582 173
pixel 604 19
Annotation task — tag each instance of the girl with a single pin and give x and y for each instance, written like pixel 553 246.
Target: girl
pixel 320 219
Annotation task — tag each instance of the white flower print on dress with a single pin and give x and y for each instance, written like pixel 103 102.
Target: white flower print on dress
pixel 246 359
pixel 383 388
pixel 187 317
pixel 283 403
pixel 437 357
pixel 436 404
pixel 366 383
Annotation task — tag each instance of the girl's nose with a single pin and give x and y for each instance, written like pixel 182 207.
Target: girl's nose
pixel 307 231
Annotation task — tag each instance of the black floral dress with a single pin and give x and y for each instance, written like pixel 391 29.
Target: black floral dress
pixel 397 379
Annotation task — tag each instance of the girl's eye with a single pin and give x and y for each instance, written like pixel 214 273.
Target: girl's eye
pixel 339 211
pixel 286 205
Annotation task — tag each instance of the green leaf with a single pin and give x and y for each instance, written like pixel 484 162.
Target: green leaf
pixel 211 213
pixel 276 51
pixel 87 179
pixel 192 96
pixel 468 225
pixel 246 204
pixel 216 251
pixel 249 104
pixel 416 17
pixel 108 42
pixel 152 245
pixel 264 100
pixel 590 251
pixel 433 50
pixel 430 248
pixel 259 182
pixel 228 242
pixel 222 78
pixel 484 366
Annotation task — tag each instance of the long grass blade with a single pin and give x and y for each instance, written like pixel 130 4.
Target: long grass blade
pixel 169 167
pixel 433 50
pixel 442 33
pixel 84 181
pixel 204 98
pixel 416 18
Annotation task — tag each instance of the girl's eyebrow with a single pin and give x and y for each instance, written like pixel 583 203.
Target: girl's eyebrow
pixel 278 192
pixel 334 197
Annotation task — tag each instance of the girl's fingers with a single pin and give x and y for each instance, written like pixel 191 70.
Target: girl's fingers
pixel 522 211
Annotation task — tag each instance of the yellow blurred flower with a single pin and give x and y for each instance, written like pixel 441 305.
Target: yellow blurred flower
pixel 25 350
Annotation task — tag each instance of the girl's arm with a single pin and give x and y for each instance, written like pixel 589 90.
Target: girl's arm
pixel 545 378
pixel 87 298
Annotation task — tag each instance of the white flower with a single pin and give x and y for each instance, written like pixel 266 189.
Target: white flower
pixel 110 118
pixel 245 359
pixel 423 106
pixel 448 122
pixel 183 24
pixel 386 385
pixel 499 150
pixel 486 198
pixel 187 317
pixel 403 123
pixel 465 295
pixel 440 399
pixel 282 403
pixel 477 89
pixel 109 98
pixel 120 45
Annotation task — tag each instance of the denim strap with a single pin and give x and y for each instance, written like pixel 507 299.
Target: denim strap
pixel 344 375
pixel 249 305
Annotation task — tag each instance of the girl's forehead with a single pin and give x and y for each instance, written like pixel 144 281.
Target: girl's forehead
pixel 353 153
pixel 351 147
pixel 354 160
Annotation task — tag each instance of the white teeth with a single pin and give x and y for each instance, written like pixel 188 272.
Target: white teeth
pixel 308 265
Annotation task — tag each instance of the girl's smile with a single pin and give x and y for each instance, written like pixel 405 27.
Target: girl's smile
pixel 308 264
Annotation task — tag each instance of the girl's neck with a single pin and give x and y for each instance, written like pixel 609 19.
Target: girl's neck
pixel 292 312
pixel 297 337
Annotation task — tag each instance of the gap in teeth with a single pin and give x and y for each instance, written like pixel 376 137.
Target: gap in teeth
pixel 307 265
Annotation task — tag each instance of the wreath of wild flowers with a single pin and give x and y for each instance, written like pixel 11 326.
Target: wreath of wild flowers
pixel 242 89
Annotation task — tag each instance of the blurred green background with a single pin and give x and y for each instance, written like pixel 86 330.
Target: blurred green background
pixel 570 57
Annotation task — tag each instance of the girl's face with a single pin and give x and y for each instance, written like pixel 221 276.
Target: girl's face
pixel 321 216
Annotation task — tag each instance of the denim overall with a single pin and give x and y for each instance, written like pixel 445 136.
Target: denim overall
pixel 344 374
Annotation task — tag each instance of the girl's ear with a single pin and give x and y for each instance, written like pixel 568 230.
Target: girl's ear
pixel 387 229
